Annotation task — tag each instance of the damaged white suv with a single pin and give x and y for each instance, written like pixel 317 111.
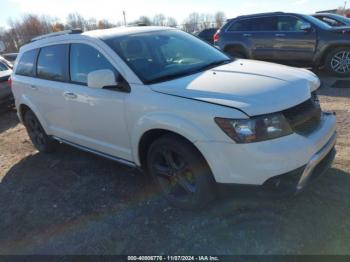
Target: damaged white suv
pixel 164 101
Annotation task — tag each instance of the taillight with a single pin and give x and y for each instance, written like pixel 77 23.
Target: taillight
pixel 9 82
pixel 216 36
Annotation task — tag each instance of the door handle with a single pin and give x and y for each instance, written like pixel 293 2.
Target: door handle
pixel 33 87
pixel 70 95
pixel 247 35
pixel 280 35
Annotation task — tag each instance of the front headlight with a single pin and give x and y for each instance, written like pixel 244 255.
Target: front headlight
pixel 255 129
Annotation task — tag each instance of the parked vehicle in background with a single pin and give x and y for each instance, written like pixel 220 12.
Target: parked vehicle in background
pixel 333 19
pixel 4 61
pixel 207 35
pixel 11 57
pixel 164 101
pixel 287 38
pixel 6 97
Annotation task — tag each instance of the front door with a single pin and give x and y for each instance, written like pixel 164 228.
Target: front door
pixel 97 115
pixel 293 44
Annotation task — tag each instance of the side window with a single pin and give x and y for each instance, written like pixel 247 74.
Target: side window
pixel 25 65
pixel 3 67
pixel 264 24
pixel 51 62
pixel 289 23
pixel 85 59
pixel 242 25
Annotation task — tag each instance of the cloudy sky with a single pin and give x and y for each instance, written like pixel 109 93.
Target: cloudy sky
pixel 112 9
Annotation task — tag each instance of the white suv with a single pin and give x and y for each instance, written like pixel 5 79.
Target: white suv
pixel 164 101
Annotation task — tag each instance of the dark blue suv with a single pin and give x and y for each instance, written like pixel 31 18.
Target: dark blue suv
pixel 287 38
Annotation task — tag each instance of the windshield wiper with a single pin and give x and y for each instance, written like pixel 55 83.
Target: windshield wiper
pixel 168 77
pixel 189 72
pixel 213 64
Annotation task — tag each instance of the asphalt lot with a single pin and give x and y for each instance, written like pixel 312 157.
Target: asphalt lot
pixel 71 202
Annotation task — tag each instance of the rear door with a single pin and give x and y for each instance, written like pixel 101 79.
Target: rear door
pixel 49 89
pixel 293 44
pixel 263 37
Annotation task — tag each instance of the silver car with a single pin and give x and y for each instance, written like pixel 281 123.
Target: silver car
pixel 6 97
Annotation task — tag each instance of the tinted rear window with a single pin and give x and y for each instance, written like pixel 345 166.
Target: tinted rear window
pixel 51 62
pixel 25 65
pixel 264 24
pixel 243 25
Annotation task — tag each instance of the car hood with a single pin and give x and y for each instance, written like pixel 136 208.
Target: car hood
pixel 254 87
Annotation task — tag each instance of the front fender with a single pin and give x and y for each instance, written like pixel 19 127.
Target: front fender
pixel 164 121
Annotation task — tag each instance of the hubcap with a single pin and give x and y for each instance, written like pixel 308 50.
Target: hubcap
pixel 340 62
pixel 173 173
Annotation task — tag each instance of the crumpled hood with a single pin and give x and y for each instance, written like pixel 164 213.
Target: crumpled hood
pixel 254 87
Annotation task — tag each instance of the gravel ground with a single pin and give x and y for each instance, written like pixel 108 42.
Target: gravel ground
pixel 71 202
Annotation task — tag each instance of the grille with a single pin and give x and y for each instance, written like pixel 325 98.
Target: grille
pixel 305 117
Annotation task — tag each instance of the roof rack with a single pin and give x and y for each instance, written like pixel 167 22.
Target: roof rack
pixel 65 32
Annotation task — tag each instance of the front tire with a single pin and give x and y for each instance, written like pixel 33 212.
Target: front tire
pixel 338 62
pixel 41 141
pixel 180 172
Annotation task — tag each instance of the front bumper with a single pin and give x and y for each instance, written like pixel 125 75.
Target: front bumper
pixel 256 163
pixel 296 180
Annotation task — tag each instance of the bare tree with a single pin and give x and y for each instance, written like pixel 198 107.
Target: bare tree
pixel 220 19
pixel 192 23
pixel 75 20
pixel 171 21
pixel 144 20
pixel 159 19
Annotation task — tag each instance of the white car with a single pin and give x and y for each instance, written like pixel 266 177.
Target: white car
pixel 164 101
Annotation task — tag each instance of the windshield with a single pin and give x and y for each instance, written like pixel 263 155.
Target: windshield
pixel 341 18
pixel 317 22
pixel 164 55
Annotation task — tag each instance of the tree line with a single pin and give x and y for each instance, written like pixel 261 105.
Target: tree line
pixel 22 30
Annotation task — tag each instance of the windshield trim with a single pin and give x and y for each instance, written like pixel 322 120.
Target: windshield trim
pixel 316 22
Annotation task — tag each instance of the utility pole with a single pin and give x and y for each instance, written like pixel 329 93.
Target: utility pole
pixel 124 18
pixel 345 3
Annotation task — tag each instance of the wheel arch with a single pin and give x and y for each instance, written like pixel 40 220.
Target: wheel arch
pixel 238 48
pixel 152 135
pixel 323 56
pixel 24 106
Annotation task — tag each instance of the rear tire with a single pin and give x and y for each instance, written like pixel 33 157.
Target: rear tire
pixel 338 62
pixel 181 173
pixel 41 141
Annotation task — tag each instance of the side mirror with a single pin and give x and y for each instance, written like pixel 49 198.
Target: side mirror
pixel 101 78
pixel 305 27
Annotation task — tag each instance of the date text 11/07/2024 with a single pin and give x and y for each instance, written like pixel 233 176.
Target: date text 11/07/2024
pixel 173 258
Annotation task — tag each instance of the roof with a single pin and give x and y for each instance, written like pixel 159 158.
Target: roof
pixel 120 31
pixel 261 14
pixel 332 11
pixel 94 34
